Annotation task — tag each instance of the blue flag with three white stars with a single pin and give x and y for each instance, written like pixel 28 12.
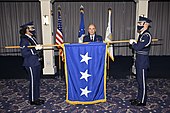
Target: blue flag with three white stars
pixel 85 70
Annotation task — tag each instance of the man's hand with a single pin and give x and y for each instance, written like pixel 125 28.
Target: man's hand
pixel 131 41
pixel 38 47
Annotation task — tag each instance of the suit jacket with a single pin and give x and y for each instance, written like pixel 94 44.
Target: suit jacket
pixel 97 38
pixel 30 55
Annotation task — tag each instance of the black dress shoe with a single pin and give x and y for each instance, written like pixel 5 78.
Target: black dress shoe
pixel 37 102
pixel 132 100
pixel 41 101
pixel 141 104
pixel 136 102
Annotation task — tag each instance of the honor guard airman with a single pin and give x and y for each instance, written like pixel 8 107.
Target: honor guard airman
pixel 31 61
pixel 142 47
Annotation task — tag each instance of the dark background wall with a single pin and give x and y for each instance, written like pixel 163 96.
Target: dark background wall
pixel 11 67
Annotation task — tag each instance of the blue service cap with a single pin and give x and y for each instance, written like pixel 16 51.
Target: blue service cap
pixel 27 24
pixel 144 19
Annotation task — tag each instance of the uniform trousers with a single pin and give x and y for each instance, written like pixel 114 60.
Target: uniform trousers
pixel 34 77
pixel 142 87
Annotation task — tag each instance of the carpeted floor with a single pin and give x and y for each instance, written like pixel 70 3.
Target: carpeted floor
pixel 14 97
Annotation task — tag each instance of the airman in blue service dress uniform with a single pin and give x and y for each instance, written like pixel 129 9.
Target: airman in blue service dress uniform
pixel 92 36
pixel 31 61
pixel 141 47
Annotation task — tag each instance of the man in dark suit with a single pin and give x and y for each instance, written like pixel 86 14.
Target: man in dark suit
pixel 32 61
pixel 142 47
pixel 92 36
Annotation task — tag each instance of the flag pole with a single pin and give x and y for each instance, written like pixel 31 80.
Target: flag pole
pixel 81 32
pixel 59 41
pixel 32 46
pixel 59 64
pixel 108 40
pixel 57 45
pixel 127 41
pixel 108 63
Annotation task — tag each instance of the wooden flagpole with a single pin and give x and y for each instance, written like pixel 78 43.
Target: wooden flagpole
pixel 46 45
pixel 56 45
pixel 124 41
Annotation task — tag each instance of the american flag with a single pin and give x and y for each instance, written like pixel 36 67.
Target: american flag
pixel 59 34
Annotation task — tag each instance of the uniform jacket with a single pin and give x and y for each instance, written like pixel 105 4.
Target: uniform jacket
pixel 97 38
pixel 30 55
pixel 142 48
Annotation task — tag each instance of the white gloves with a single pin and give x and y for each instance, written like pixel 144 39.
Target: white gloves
pixel 38 47
pixel 131 41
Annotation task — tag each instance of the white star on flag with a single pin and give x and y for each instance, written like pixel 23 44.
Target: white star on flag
pixel 85 75
pixel 85 58
pixel 84 91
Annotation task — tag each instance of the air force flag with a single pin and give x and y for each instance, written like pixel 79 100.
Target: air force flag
pixel 85 70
